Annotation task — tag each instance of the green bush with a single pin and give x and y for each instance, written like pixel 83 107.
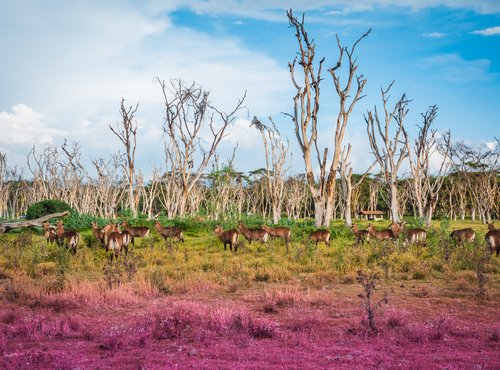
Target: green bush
pixel 47 207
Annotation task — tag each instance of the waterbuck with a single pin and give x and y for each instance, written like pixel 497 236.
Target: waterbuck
pixel 98 233
pixel 69 238
pixel 134 232
pixel 492 238
pixel 279 232
pixel 386 234
pixel 411 236
pixel 320 236
pixel 253 234
pixel 463 235
pixel 228 237
pixel 169 232
pixel 49 232
pixel 361 235
pixel 116 240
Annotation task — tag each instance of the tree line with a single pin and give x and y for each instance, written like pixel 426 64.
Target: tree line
pixel 194 181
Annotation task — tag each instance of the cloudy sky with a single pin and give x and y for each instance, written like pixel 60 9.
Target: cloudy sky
pixel 65 66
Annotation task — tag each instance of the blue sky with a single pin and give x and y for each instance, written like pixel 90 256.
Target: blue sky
pixel 66 64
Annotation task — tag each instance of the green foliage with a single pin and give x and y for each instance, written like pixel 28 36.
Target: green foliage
pixel 47 207
pixel 415 222
pixel 444 225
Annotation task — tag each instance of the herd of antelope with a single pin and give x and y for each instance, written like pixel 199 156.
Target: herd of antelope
pixel 116 240
pixel 113 238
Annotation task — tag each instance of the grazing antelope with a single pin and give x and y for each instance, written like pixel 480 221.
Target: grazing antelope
pixel 320 236
pixel 98 233
pixel 228 237
pixel 139 232
pixel 411 236
pixel 361 235
pixel 115 240
pixel 253 234
pixel 49 232
pixel 170 232
pixel 492 238
pixel 386 234
pixel 279 232
pixel 463 235
pixel 70 238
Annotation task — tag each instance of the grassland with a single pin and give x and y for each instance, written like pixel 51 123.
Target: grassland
pixel 195 305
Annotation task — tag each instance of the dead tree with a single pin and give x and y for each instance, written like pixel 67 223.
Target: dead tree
pixel 6 226
pixel 126 132
pixel 388 155
pixel 190 122
pixel 306 110
pixel 345 172
pixel 108 190
pixel 276 151
pixel 425 187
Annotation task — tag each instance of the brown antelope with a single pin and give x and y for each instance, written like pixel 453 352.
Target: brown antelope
pixel 228 237
pixel 411 236
pixel 492 238
pixel 463 235
pixel 70 238
pixel 253 234
pixel 279 232
pixel 98 233
pixel 361 235
pixel 386 234
pixel 49 232
pixel 169 232
pixel 320 236
pixel 139 232
pixel 115 240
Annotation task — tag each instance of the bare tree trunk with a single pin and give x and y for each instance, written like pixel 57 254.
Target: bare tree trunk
pixel 305 116
pixel 127 134
pixel 387 155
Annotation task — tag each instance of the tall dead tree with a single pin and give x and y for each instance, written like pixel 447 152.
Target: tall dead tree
pixel 306 110
pixel 276 151
pixel 193 128
pixel 126 132
pixel 391 152
pixel 425 186
pixel 345 172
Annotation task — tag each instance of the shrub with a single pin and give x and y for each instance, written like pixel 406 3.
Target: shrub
pixel 47 207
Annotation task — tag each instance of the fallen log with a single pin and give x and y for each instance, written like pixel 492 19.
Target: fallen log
pixel 4 227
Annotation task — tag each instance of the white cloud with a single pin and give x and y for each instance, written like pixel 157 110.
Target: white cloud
pixel 492 31
pixel 23 126
pixel 433 35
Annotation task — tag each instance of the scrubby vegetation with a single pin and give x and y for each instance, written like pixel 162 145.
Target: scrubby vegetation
pixel 183 304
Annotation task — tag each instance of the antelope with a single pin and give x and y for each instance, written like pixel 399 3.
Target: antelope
pixel 279 232
pixel 386 234
pixel 169 232
pixel 253 234
pixel 463 235
pixel 361 235
pixel 139 232
pixel 320 236
pixel 98 232
pixel 50 232
pixel 492 238
pixel 411 236
pixel 228 237
pixel 115 240
pixel 71 238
